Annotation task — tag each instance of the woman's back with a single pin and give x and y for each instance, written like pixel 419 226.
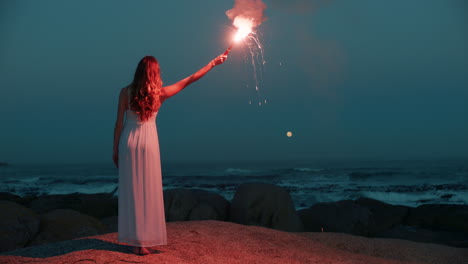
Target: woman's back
pixel 141 206
pixel 132 117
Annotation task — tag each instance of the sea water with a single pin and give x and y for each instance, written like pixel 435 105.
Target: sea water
pixel 409 183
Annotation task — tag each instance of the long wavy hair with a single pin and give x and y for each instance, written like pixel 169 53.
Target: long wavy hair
pixel 145 90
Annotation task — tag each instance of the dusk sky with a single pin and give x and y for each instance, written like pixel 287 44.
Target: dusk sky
pixel 364 79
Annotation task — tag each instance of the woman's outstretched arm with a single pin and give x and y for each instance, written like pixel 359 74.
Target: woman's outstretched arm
pixel 180 85
pixel 119 124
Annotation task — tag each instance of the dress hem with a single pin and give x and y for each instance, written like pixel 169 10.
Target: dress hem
pixel 140 244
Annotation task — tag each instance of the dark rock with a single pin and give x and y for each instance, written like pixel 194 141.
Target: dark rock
pixel 440 216
pixel 5 196
pixel 97 205
pixel 385 215
pixel 65 224
pixel 178 203
pixel 342 216
pixel 203 211
pixel 111 222
pixel 194 204
pixel 18 225
pixel 46 203
pixel 417 234
pixel 214 200
pixel 265 205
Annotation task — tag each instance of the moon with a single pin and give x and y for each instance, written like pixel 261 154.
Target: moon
pixel 289 134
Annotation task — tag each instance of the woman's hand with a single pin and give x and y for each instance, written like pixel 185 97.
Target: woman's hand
pixel 115 158
pixel 220 59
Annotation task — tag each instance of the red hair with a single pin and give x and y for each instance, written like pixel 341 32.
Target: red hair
pixel 145 90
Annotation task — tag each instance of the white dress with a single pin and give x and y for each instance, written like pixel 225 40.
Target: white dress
pixel 141 220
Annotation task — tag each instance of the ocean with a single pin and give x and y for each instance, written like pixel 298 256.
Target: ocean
pixel 409 183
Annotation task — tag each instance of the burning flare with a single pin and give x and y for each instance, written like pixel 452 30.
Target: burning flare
pixel 245 15
pixel 244 27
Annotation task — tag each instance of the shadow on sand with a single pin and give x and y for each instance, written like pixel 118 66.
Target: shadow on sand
pixel 65 247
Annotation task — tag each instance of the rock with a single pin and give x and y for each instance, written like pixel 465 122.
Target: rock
pixel 65 224
pixel 18 225
pixel 417 234
pixel 194 204
pixel 178 203
pixel 203 211
pixel 265 205
pixel 220 205
pixel 22 200
pixel 452 217
pixel 5 196
pixel 46 203
pixel 111 222
pixel 97 205
pixel 385 215
pixel 342 216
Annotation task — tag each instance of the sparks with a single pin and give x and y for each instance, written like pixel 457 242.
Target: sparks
pixel 244 27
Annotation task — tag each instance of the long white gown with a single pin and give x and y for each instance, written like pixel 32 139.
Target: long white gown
pixel 141 220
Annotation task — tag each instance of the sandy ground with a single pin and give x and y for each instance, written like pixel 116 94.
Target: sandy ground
pixel 224 242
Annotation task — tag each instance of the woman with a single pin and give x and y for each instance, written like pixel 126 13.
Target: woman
pixel 141 220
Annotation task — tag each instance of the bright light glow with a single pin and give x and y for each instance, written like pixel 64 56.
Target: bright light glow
pixel 244 27
pixel 289 134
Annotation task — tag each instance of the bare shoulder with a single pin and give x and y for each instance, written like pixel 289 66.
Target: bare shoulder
pixel 123 98
pixel 124 90
pixel 123 95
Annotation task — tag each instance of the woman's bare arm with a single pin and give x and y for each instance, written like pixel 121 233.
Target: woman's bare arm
pixel 180 85
pixel 122 105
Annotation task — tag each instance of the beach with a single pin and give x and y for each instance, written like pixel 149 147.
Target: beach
pixel 195 199
pixel 212 241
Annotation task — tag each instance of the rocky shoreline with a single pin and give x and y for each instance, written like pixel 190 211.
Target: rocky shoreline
pixel 37 220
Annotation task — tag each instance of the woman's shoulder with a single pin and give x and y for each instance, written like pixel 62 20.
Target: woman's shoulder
pixel 125 90
pixel 123 95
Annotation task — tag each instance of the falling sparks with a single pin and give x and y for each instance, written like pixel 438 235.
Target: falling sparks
pixel 246 16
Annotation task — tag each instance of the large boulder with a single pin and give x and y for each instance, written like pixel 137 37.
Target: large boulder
pixel 342 216
pixel 440 216
pixel 46 203
pixel 194 204
pixel 97 205
pixel 386 216
pixel 111 222
pixel 66 224
pixel 206 200
pixel 267 205
pixel 18 225
pixel 418 234
pixel 178 203
pixel 203 211
pixel 5 196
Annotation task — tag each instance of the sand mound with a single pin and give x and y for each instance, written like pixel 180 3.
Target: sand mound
pixel 212 241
